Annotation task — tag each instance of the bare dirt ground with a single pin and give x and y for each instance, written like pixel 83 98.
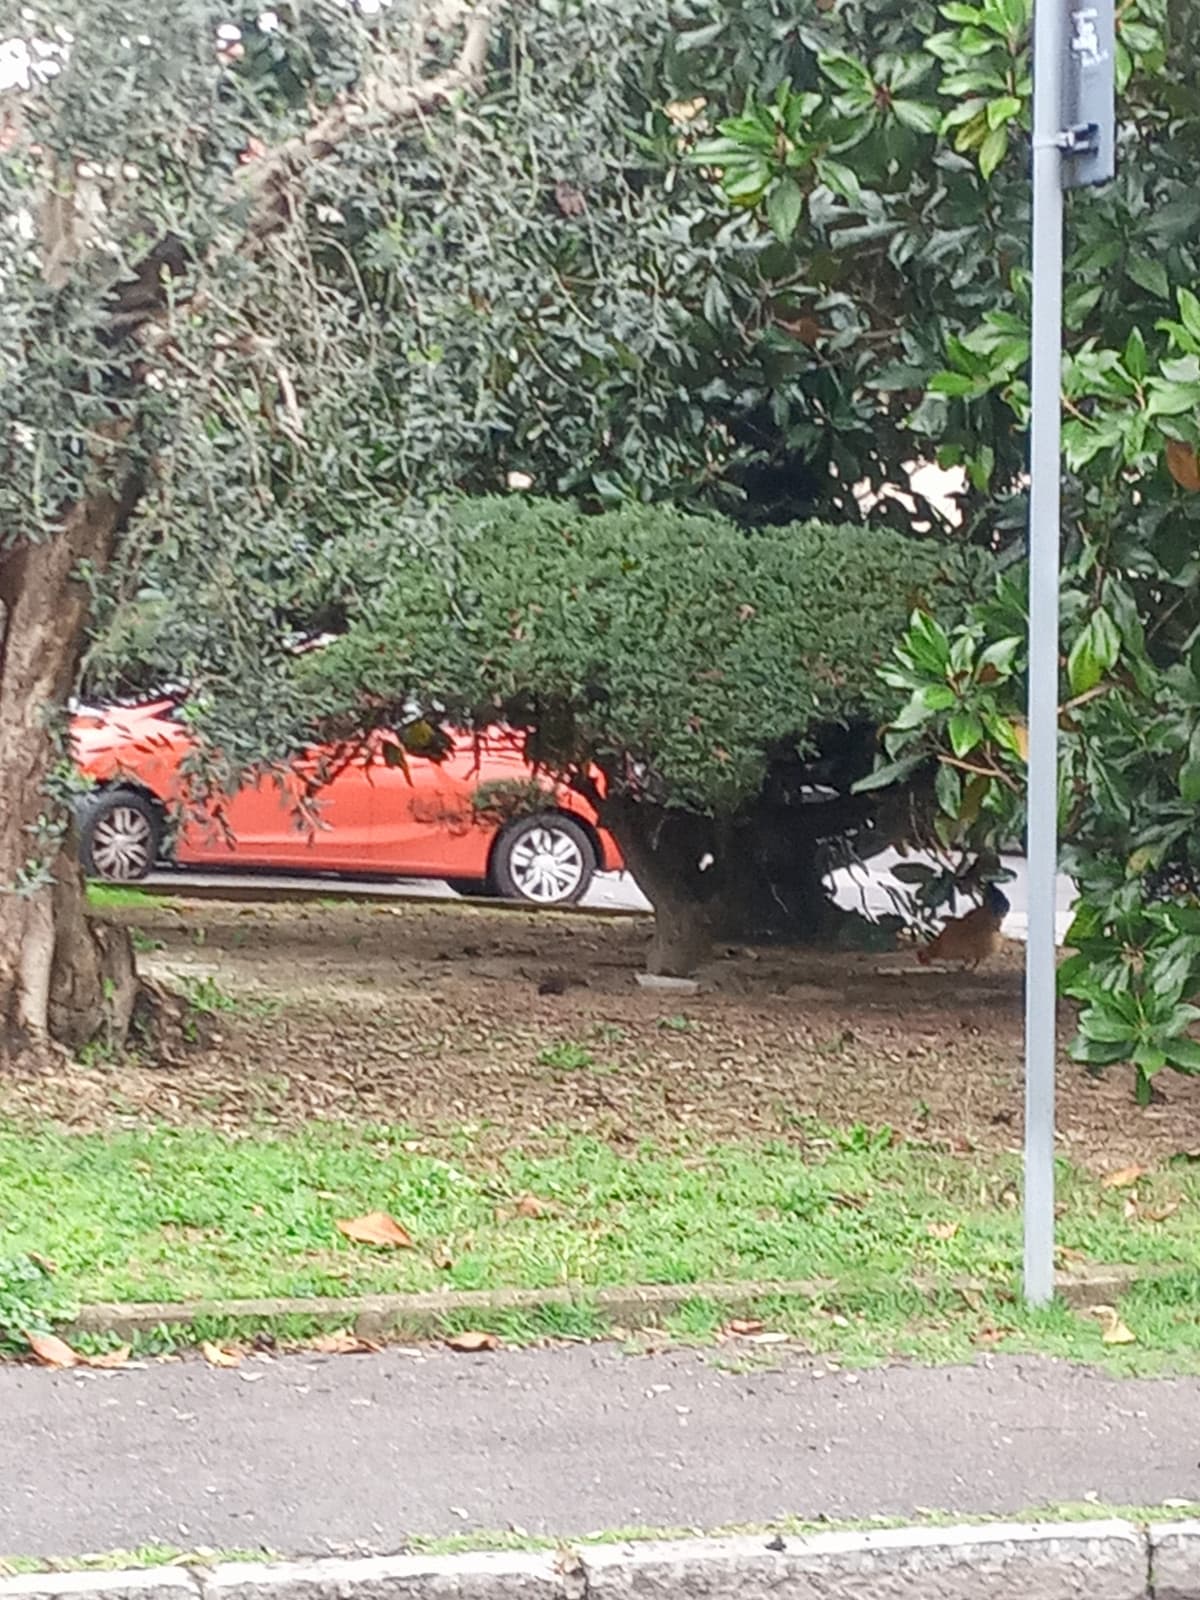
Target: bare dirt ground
pixel 430 1015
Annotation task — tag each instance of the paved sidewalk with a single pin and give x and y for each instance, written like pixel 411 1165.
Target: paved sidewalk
pixel 320 1455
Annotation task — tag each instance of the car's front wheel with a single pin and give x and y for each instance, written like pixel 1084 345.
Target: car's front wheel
pixel 120 832
pixel 548 860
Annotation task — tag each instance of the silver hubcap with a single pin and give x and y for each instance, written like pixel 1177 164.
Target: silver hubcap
pixel 546 865
pixel 123 844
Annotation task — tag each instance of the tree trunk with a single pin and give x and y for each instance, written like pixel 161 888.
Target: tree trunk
pixel 62 980
pixel 664 850
pixel 758 879
pixel 683 935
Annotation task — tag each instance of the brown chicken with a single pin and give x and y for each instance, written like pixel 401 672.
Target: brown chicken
pixel 970 939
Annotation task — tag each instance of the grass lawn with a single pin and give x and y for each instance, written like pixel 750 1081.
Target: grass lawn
pixel 186 1213
pixel 804 1117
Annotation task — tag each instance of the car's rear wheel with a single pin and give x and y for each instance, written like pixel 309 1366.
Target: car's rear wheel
pixel 548 860
pixel 120 832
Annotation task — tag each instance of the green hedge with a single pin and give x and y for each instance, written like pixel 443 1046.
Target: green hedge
pixel 677 640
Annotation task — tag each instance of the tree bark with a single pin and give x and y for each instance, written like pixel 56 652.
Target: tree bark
pixel 665 850
pixel 60 978
pixel 683 935
pixel 756 879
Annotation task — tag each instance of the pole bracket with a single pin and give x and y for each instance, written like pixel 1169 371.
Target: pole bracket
pixel 1081 140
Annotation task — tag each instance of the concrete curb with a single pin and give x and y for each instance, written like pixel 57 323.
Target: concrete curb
pixel 1175 1560
pixel 997 1561
pixel 623 1306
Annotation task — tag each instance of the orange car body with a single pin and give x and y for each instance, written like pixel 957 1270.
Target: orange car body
pixel 416 819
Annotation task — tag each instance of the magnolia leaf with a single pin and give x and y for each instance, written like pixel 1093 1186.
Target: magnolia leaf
pixel 51 1351
pixel 785 206
pixel 993 150
pixel 110 1360
pixel 217 1356
pixel 377 1228
pixel 1123 1178
pixel 471 1341
pixel 1114 1330
pixel 342 1343
pixel 1183 465
pixel 965 731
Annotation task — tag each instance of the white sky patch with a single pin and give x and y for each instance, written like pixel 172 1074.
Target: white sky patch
pixel 937 484
pixel 15 64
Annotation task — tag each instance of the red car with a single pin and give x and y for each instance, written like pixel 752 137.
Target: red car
pixel 411 817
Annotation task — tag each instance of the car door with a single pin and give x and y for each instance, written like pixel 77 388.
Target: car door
pixel 424 822
pixel 280 820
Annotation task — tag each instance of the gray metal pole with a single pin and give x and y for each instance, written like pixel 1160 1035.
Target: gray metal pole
pixel 1044 526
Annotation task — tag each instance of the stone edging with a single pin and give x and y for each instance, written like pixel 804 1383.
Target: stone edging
pixel 624 1306
pixel 997 1561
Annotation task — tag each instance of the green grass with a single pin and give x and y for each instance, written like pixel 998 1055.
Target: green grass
pixel 119 897
pixel 866 1327
pixel 143 1558
pixel 176 1214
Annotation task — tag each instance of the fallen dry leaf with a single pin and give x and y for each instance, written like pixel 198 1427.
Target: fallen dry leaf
pixel 110 1358
pixel 806 329
pixel 942 1230
pixel 529 1206
pixel 569 199
pixel 217 1357
pixel 993 1335
pixel 744 1325
pixel 1123 1178
pixel 1114 1330
pixel 972 1299
pixel 343 1343
pixel 51 1351
pixel 471 1340
pixel 1159 1213
pixel 1183 465
pixel 568 1562
pixel 377 1228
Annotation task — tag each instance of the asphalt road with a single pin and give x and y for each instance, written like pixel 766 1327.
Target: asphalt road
pixel 865 888
pixel 312 1454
